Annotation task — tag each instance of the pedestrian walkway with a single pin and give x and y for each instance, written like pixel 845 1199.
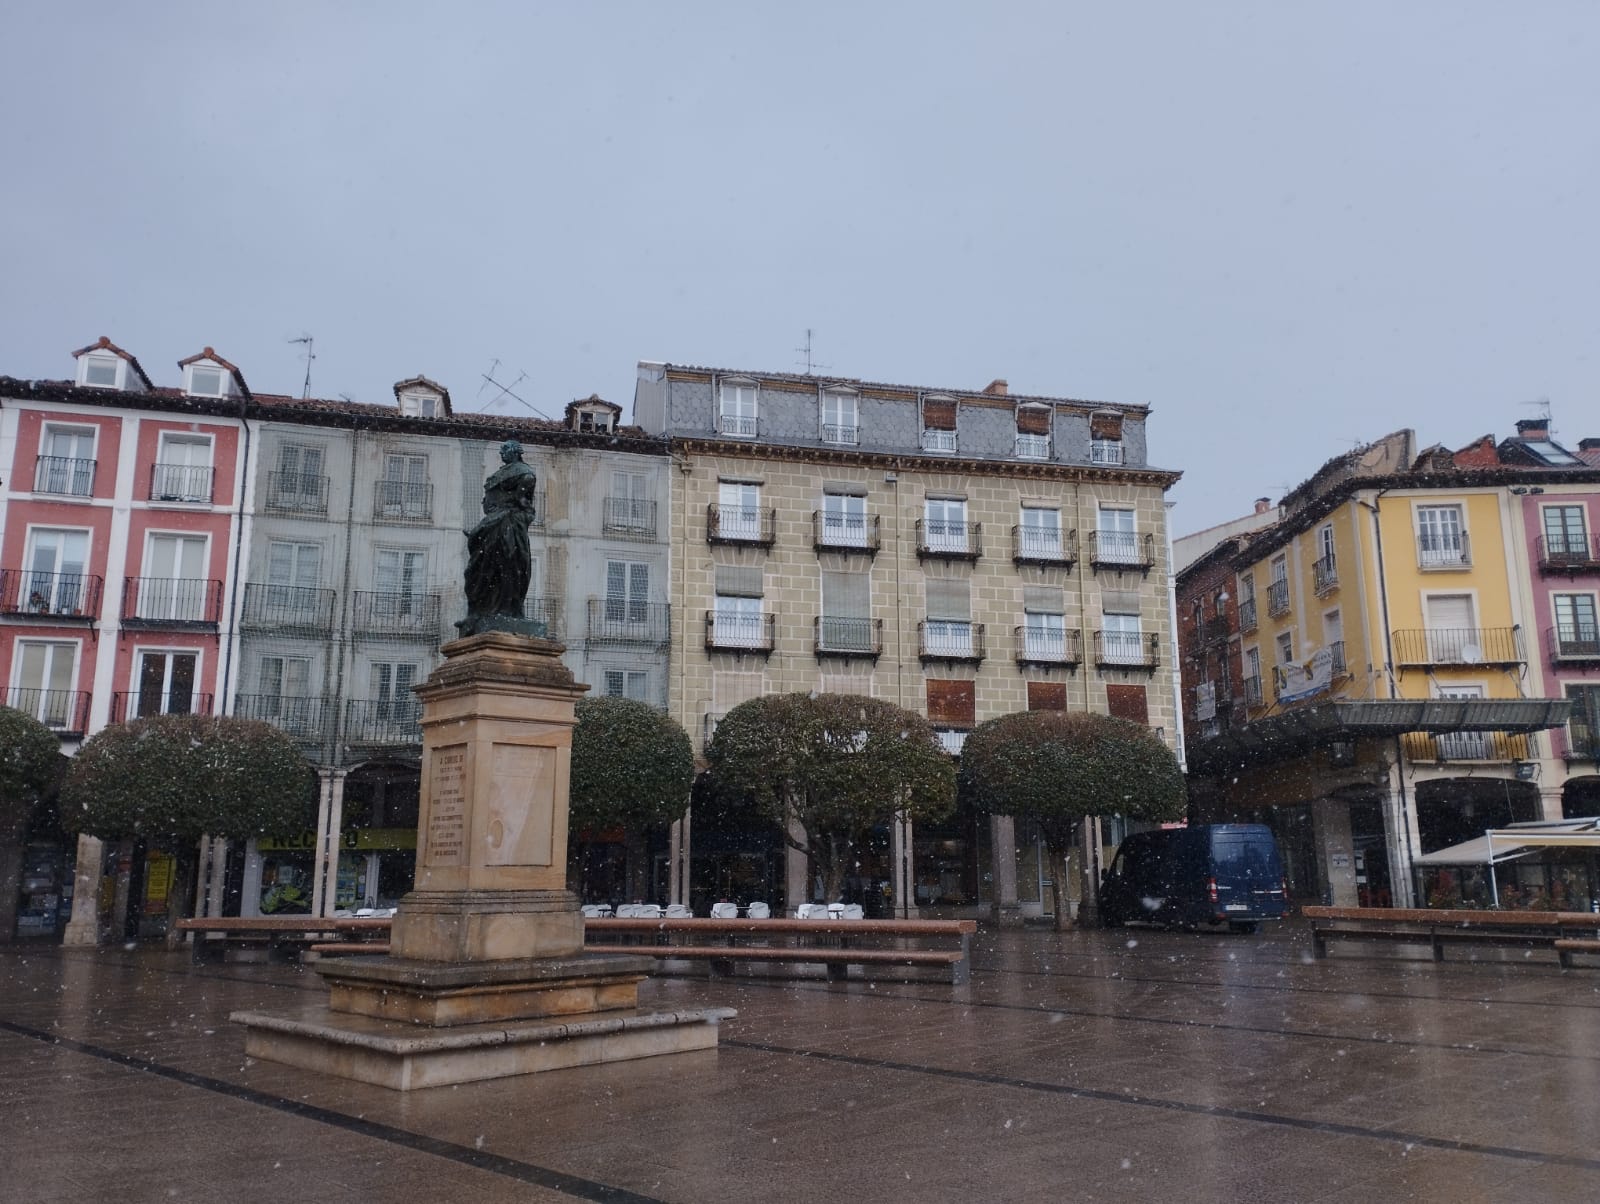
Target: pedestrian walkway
pixel 1121 1065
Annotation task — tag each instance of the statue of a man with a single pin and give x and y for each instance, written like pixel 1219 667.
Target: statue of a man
pixel 499 554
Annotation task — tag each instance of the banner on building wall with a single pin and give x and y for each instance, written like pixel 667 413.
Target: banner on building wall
pixel 1308 678
pixel 1205 700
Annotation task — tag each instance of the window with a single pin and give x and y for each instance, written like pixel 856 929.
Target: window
pixel 1252 676
pixel 182 471
pixel 1583 730
pixel 1116 540
pixel 839 417
pixel 393 703
pixel 1462 746
pixel 939 424
pixel 174 585
pixel 951 711
pixel 400 576
pixel 737 402
pixel 627 591
pixel 166 684
pixel 946 524
pixel 1105 439
pixel 1325 543
pixel 844 520
pixel 55 583
pixel 1041 533
pixel 847 612
pixel 1565 534
pixel 284 694
pixel 46 675
pixel 1033 433
pixel 630 507
pixel 1123 640
pixel 207 381
pixel 403 492
pixel 299 483
pixel 1286 649
pixel 1441 537
pixel 100 370
pixel 419 404
pixel 66 461
pixel 1577 629
pixel 739 511
pixel 622 683
pixel 1247 602
pixel 1044 636
pixel 294 570
pixel 1451 634
pixel 1278 590
pixel 948 630
pixel 737 623
pixel 1333 638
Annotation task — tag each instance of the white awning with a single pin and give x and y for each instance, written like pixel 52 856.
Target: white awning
pixel 1519 840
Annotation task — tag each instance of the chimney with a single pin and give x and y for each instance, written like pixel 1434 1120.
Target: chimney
pixel 1533 428
pixel 1589 444
pixel 996 388
pixel 1263 504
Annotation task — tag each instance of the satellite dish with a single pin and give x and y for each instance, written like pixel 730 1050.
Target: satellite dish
pixel 1471 654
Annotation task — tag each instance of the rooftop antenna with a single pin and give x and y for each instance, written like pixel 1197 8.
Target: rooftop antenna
pixel 311 354
pixel 1541 408
pixel 810 364
pixel 505 391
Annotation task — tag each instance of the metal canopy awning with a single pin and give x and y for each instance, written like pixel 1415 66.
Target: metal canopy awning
pixel 1519 840
pixel 1276 737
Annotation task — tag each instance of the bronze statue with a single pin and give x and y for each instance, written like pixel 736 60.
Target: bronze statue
pixel 499 554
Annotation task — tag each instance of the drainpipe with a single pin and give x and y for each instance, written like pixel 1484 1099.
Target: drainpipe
pixel 238 556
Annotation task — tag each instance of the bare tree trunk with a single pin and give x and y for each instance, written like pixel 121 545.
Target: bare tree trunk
pixel 832 868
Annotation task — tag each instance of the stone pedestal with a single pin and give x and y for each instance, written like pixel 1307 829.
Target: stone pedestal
pixel 490 935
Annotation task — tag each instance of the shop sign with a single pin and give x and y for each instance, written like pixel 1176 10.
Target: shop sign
pixel 368 840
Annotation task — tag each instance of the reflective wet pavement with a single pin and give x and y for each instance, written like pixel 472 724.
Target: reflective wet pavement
pixel 1132 1065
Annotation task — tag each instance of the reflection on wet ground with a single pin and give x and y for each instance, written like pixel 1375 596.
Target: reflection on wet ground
pixel 1126 1065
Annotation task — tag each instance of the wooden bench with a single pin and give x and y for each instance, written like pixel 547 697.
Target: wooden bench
pixel 1437 928
pixel 217 936
pixel 1567 946
pixel 835 944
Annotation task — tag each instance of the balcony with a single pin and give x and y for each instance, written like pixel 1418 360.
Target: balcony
pixel 1435 551
pixel 624 621
pixel 1127 650
pixel 305 720
pixel 136 704
pixel 1122 550
pixel 295 493
pixel 63 476
pixel 181 483
pixel 385 723
pixel 1247 615
pixel 1325 575
pixel 1569 554
pixel 1105 451
pixel 291 609
pixel 942 539
pixel 629 517
pixel 835 531
pixel 65 712
pixel 841 435
pixel 1470 746
pixel 1252 691
pixel 1033 447
pixel 50 595
pixel 396 616
pixel 861 638
pixel 950 640
pixel 1044 545
pixel 1570 645
pixel 738 631
pixel 1278 598
pixel 409 502
pixel 739 426
pixel 1583 738
pixel 943 442
pixel 952 740
pixel 1051 648
pixel 172 602
pixel 748 525
pixel 546 610
pixel 1458 646
pixel 1336 651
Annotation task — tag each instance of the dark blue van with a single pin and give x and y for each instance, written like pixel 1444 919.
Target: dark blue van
pixel 1208 874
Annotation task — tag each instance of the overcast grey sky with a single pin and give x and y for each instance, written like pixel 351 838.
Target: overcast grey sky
pixel 1286 227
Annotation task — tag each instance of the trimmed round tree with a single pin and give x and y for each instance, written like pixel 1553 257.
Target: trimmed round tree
pixel 170 779
pixel 632 767
pixel 30 764
pixel 1058 768
pixel 830 768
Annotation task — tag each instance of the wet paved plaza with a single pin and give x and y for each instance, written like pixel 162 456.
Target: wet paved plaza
pixel 1131 1065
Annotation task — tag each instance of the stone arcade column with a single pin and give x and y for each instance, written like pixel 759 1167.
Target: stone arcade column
pixel 487 949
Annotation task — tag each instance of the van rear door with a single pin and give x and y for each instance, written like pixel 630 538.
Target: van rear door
pixel 1248 874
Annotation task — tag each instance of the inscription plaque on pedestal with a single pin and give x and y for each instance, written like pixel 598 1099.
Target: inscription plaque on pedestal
pixel 446 841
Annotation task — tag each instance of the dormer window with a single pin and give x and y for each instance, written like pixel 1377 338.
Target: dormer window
pixel 737 408
pixel 206 382
pixel 1033 433
pixel 593 415
pixel 100 370
pixel 419 405
pixel 420 397
pixel 1105 438
pixel 104 365
pixel 209 375
pixel 939 424
pixel 840 417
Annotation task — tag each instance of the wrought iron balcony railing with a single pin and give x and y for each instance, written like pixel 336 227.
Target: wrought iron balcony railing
pixel 385 722
pixel 63 475
pixel 1033 447
pixel 1443 551
pixel 298 609
pixel 1122 550
pixel 1569 554
pixel 1459 646
pixel 938 441
pixel 546 609
pixel 1048 646
pixel 741 524
pixel 943 539
pixel 834 531
pixel 1336 651
pixel 847 434
pixel 1583 737
pixel 65 712
pixel 1470 746
pixel 296 493
pixel 1325 575
pixel 1573 642
pixel 624 621
pixel 305 719
pixel 1127 650
pixel 142 704
pixel 1278 598
pixel 952 740
pixel 395 616
pixel 1247 615
pixel 171 602
pixel 737 631
pixel 950 640
pixel 181 482
pixel 1044 545
pixel 634 517
pixel 848 637
pixel 1105 451
pixel 52 595
pixel 402 502
pixel 1252 691
pixel 740 426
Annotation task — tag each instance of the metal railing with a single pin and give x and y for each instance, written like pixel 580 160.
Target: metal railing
pixel 288 608
pixel 736 631
pixel 141 704
pixel 624 621
pixel 741 524
pixel 1583 737
pixel 950 640
pixel 740 426
pixel 63 475
pixel 383 722
pixel 1048 646
pixel 546 609
pixel 58 595
pixel 1278 598
pixel 395 615
pixel 1252 691
pixel 402 502
pixel 1470 746
pixel 65 712
pixel 1325 575
pixel 1459 646
pixel 181 482
pixel 1435 551
pixel 1247 615
pixel 1033 447
pixel 1105 451
pixel 1122 550
pixel 305 719
pixel 1336 651
pixel 840 433
pixel 1043 545
pixel 938 441
pixel 296 493
pixel 952 740
pixel 847 637
pixel 1127 649
pixel 1574 642
pixel 634 516
pixel 836 531
pixel 943 538
pixel 171 602
pixel 1569 554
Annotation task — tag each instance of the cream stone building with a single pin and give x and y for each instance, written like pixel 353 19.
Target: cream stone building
pixel 963 554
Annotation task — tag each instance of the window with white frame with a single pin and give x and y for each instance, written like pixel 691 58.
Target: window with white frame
pixel 1577 628
pixel 44 683
pixel 1278 589
pixel 627 683
pixel 737 622
pixel 55 583
pixel 840 418
pixel 1452 631
pixel 1116 539
pixel 100 371
pixel 1044 636
pixel 400 580
pixel 739 510
pixel 207 380
pixel 844 520
pixel 1122 639
pixel 299 483
pixel 1033 433
pixel 948 629
pixel 1105 438
pixel 174 584
pixel 294 571
pixel 182 471
pixel 627 591
pixel 939 424
pixel 389 691
pixel 284 694
pixel 946 524
pixel 736 402
pixel 629 507
pixel 66 461
pixel 166 683
pixel 1441 537
pixel 404 490
pixel 1040 532
pixel 1462 746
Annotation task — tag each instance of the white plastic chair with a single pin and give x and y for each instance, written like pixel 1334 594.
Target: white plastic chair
pixel 626 911
pixel 677 911
pixel 854 911
pixel 724 911
pixel 811 911
pixel 647 911
pixel 757 911
pixel 591 911
pixel 836 911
